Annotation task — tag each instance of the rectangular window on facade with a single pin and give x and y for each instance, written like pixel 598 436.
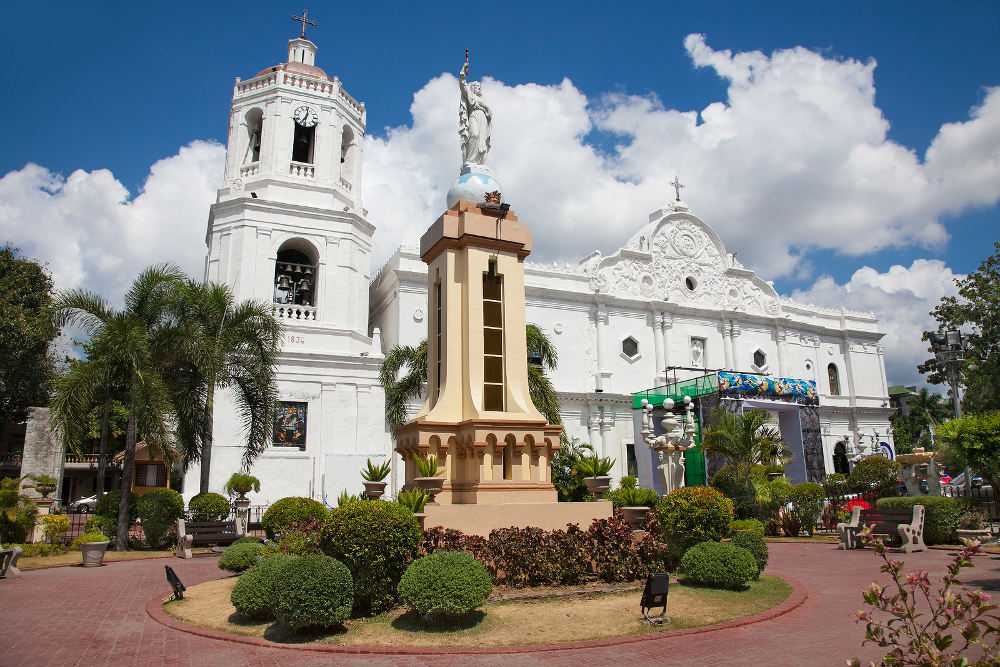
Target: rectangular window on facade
pixel 493 366
pixel 631 465
pixel 290 425
pixel 437 337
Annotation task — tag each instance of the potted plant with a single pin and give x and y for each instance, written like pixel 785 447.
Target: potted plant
pixel 414 500
pixel 92 546
pixel 44 484
pixel 240 485
pixel 374 476
pixel 973 525
pixel 429 480
pixel 595 473
pixel 633 512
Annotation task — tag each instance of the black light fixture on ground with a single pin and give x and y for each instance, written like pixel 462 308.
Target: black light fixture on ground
pixel 949 352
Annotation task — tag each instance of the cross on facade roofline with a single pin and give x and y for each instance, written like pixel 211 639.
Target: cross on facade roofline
pixel 304 21
pixel 677 188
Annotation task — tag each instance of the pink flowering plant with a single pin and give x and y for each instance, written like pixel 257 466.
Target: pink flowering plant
pixel 956 622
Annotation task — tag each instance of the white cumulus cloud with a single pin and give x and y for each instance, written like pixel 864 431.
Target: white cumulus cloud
pixel 92 234
pixel 902 297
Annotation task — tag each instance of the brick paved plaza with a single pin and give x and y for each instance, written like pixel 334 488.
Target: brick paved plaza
pixel 71 616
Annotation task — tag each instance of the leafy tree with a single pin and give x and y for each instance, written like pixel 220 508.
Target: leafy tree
pixel 219 344
pixel 974 441
pixel 926 412
pixel 125 345
pixel 26 332
pixel 745 439
pixel 404 373
pixel 977 309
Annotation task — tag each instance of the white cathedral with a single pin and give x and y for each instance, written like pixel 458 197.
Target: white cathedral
pixel 672 304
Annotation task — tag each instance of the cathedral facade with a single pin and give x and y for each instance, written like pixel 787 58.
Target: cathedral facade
pixel 672 303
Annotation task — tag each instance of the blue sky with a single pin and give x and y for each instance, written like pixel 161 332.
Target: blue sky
pixel 113 88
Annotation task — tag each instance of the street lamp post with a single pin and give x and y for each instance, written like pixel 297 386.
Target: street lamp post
pixel 949 352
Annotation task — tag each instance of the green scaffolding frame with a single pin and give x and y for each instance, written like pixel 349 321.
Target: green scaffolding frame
pixel 694 460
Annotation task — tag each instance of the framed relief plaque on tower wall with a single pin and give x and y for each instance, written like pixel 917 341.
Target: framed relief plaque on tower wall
pixel 290 424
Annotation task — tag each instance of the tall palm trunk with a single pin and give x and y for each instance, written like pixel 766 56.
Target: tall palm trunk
pixel 206 437
pixel 124 509
pixel 102 456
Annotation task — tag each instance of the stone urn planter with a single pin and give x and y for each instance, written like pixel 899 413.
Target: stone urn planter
pixel 597 485
pixel 635 517
pixel 45 489
pixel 374 490
pixel 432 485
pixel 982 534
pixel 242 506
pixel 93 553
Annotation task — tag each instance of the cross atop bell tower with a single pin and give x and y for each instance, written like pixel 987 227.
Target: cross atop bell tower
pixel 304 21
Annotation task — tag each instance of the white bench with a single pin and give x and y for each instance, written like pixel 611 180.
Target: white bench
pixel 8 562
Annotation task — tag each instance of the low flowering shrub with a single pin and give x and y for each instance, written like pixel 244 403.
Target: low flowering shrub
pixel 209 507
pixel 43 549
pixel 55 527
pixel 253 595
pixel 376 540
pixel 289 511
pixel 445 585
pixel 755 544
pixel 718 565
pixel 313 591
pixel 240 557
pixel 957 620
pixel 521 557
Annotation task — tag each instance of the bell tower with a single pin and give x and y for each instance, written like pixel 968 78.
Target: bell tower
pixel 288 228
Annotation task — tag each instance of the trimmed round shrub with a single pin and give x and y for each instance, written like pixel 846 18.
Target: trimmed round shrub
pixel 240 557
pixel 940 519
pixel 809 499
pixel 289 511
pixel 693 514
pixel 718 565
pixel 376 540
pixel 875 474
pixel 254 592
pixel 107 505
pixel 158 511
pixel 313 591
pixel 246 540
pixel 747 525
pixel 209 507
pixel 755 544
pixel 446 584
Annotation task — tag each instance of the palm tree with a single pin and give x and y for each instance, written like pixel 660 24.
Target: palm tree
pixel 219 344
pixel 404 373
pixel 744 440
pixel 125 347
pixel 927 410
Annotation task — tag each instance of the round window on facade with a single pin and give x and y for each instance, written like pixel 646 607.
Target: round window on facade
pixel 690 283
pixel 630 347
pixel 759 358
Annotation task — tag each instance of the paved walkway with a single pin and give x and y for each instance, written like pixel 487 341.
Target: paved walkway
pixel 71 616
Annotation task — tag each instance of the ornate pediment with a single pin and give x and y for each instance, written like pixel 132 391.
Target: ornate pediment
pixel 680 259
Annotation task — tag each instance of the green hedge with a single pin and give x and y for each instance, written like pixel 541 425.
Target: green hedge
pixel 718 565
pixel 313 591
pixel 254 592
pixel 940 519
pixel 751 525
pixel 288 511
pixel 240 557
pixel 209 507
pixel 690 515
pixel 158 511
pixel 376 540
pixel 755 544
pixel 447 584
pixel 107 505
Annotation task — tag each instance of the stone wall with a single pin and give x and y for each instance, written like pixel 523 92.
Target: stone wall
pixel 43 454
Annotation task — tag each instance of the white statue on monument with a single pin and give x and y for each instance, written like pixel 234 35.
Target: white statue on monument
pixel 474 119
pixel 475 179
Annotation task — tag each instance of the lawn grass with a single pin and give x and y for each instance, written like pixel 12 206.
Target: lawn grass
pixel 822 539
pixel 74 557
pixel 546 621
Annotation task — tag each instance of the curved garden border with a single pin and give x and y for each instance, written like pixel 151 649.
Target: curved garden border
pixel 797 597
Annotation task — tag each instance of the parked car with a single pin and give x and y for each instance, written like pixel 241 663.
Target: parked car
pixel 84 505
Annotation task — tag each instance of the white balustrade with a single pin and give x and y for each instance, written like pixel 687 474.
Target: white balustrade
pixel 346 184
pixel 251 169
pixel 294 312
pixel 302 169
